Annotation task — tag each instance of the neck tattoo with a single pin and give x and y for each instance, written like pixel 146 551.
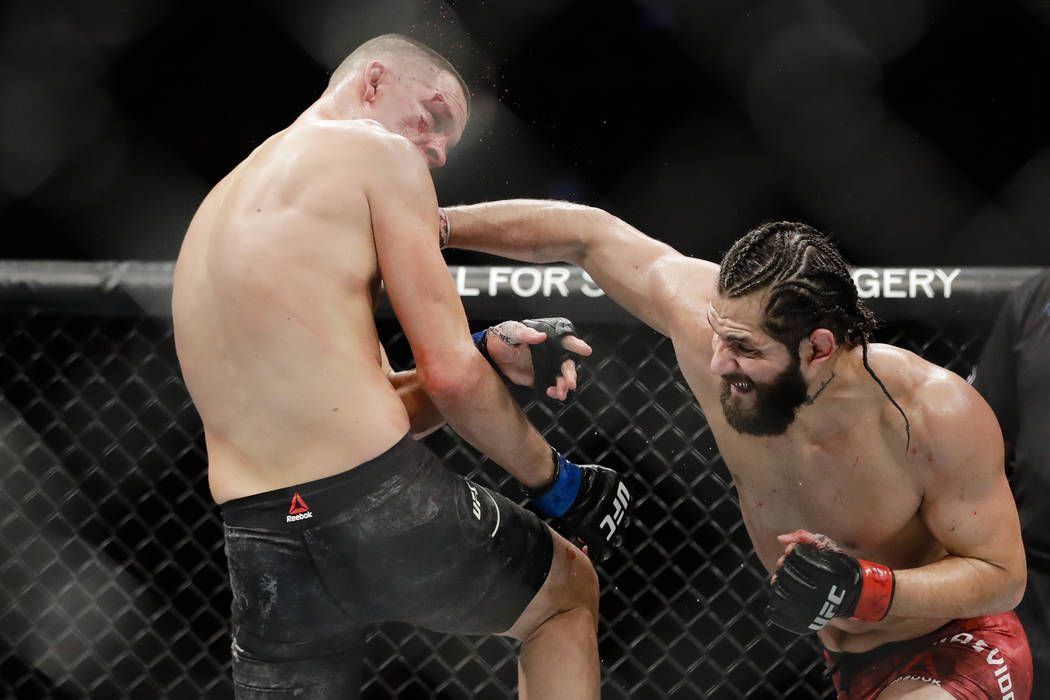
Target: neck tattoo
pixel 810 399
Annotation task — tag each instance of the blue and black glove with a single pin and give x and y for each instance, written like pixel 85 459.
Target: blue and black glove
pixel 547 357
pixel 588 503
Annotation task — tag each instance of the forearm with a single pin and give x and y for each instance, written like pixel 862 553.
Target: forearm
pixel 480 409
pixel 815 581
pixel 957 588
pixel 635 270
pixel 530 230
pixel 424 417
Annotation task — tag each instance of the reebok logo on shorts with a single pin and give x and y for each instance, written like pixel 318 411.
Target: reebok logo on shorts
pixel 298 510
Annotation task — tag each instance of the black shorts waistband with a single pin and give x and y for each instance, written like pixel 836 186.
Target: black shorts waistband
pixel 305 502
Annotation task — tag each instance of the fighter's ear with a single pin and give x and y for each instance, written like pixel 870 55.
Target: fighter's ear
pixel 817 347
pixel 372 73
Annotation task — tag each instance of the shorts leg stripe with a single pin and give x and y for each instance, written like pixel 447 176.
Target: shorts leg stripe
pixel 496 506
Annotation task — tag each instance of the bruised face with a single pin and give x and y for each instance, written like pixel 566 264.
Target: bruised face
pixel 422 103
pixel 762 383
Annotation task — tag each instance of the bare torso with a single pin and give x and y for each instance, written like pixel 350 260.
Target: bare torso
pixel 853 477
pixel 274 294
pixel 936 508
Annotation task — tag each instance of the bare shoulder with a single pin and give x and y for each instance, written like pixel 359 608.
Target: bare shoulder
pixel 324 163
pixel 346 142
pixel 951 424
pixel 684 286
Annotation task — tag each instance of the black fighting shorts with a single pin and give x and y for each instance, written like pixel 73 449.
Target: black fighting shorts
pixel 398 538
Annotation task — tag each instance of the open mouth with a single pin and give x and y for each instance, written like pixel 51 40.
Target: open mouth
pixel 740 385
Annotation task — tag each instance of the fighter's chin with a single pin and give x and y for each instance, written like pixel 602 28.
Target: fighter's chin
pixel 742 416
pixel 757 429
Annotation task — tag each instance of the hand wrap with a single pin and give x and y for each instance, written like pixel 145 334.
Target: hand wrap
pixel 588 503
pixel 815 584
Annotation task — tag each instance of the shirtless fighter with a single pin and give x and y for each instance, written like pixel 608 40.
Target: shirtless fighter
pixel 871 481
pixel 334 516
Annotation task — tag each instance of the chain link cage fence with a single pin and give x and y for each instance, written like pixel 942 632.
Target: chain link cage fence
pixel 112 575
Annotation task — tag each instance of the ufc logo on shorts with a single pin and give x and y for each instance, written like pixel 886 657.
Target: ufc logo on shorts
pixel 828 610
pixel 475 504
pixel 613 520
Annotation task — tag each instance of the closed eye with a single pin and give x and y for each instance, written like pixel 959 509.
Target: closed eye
pixel 744 350
pixel 437 119
pixel 439 111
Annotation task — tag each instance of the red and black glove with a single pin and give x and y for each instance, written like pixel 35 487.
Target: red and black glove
pixel 816 582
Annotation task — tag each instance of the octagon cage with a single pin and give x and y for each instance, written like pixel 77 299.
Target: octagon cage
pixel 113 579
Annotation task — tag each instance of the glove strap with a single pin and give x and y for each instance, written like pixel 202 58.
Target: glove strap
pixel 876 593
pixel 556 497
pixel 482 344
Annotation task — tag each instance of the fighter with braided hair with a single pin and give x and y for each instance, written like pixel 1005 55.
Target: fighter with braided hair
pixel 871 481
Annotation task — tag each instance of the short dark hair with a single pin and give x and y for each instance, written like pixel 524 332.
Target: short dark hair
pixel 397 44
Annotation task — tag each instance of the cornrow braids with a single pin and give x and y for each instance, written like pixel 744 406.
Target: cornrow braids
pixel 809 287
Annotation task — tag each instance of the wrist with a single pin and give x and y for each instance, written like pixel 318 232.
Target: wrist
pixel 444 228
pixel 481 342
pixel 878 585
pixel 556 496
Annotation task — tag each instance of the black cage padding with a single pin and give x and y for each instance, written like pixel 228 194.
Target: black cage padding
pixel 112 575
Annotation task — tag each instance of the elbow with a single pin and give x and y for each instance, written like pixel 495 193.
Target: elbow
pixel 1010 589
pixel 596 224
pixel 576 228
pixel 1015 590
pixel 452 382
pixel 1017 573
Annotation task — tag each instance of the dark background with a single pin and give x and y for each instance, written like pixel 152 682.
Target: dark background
pixel 915 131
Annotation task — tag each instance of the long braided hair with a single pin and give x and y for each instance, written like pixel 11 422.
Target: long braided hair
pixel 809 287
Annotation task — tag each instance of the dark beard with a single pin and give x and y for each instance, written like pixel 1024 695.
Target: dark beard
pixel 775 404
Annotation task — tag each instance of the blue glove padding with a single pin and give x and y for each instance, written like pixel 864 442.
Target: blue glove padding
pixel 589 503
pixel 482 344
pixel 563 491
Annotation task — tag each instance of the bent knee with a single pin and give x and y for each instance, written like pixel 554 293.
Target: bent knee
pixel 571 589
pixel 579 579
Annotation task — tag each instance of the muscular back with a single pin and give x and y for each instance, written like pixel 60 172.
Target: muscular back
pixel 274 294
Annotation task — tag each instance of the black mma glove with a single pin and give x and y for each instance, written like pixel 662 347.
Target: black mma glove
pixel 815 583
pixel 587 502
pixel 549 356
